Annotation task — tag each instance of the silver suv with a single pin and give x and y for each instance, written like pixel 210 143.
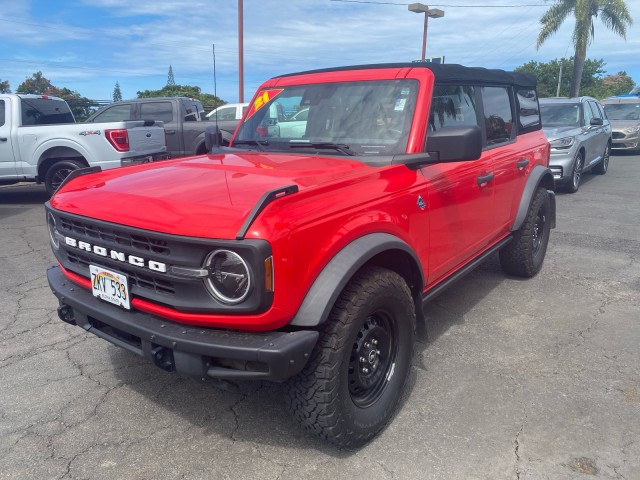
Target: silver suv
pixel 580 137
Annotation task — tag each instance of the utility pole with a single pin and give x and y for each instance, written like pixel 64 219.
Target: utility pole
pixel 240 54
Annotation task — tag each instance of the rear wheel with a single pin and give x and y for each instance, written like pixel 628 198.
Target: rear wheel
pixel 524 255
pixel 576 174
pixel 354 380
pixel 602 167
pixel 58 172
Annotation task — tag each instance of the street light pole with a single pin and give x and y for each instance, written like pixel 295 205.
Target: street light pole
pixel 433 13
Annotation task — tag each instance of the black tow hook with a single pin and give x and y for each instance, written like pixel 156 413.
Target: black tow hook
pixel 65 312
pixel 163 358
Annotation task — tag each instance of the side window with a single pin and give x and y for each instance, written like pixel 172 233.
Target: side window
pixel 118 113
pixel 228 113
pixel 603 115
pixel 594 110
pixel 586 112
pixel 497 115
pixel 2 119
pixel 157 111
pixel 452 105
pixel 528 111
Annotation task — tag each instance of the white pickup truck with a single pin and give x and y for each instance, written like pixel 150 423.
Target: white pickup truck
pixel 40 141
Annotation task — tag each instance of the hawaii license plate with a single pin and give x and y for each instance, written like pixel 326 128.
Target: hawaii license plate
pixel 110 286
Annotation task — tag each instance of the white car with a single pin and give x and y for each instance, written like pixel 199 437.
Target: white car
pixel 228 111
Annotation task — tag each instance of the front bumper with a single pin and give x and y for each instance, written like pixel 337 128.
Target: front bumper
pixel 196 351
pixel 625 141
pixel 561 164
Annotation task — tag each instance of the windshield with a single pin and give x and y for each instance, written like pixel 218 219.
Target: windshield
pixel 623 111
pixel 45 111
pixel 560 114
pixel 350 118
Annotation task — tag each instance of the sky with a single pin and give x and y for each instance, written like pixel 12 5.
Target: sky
pixel 89 45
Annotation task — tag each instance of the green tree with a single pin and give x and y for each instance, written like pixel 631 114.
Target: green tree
pixel 616 84
pixel 36 84
pixel 549 72
pixel 117 93
pixel 170 79
pixel 208 101
pixel 5 87
pixel 613 13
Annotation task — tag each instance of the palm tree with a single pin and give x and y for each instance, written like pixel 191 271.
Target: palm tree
pixel 613 13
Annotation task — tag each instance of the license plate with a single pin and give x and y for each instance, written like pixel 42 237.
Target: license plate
pixel 110 286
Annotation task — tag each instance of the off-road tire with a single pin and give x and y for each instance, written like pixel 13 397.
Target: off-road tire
pixel 602 166
pixel 332 399
pixel 524 255
pixel 573 184
pixel 58 172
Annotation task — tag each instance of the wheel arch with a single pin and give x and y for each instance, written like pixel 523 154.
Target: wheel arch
pixel 379 249
pixel 538 177
pixel 54 154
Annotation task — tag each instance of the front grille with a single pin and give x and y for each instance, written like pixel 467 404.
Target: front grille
pixel 617 135
pixel 96 242
pixel 116 238
pixel 134 278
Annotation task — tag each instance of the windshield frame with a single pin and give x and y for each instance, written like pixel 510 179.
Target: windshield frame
pixel 339 108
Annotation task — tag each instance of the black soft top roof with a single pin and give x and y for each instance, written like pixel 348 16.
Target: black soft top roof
pixel 448 73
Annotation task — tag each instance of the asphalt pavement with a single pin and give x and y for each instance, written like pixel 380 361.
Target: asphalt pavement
pixel 516 379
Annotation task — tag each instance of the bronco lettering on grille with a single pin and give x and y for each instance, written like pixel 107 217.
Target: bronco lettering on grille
pixel 116 255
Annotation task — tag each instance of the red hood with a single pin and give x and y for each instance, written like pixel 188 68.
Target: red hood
pixel 207 196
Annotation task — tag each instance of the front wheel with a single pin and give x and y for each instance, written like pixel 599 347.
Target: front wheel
pixel 354 380
pixel 58 172
pixel 524 255
pixel 576 174
pixel 602 167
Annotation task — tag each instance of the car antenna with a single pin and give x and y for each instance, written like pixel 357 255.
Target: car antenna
pixel 215 83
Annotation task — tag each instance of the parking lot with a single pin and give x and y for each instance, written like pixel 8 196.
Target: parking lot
pixel 536 379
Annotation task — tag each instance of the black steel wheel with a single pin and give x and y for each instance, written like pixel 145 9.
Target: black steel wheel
pixel 351 386
pixel 58 172
pixel 524 255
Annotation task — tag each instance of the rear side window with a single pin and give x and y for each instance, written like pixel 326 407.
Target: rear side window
pixel 117 113
pixel 228 113
pixel 452 105
pixel 157 111
pixel 45 111
pixel 2 120
pixel 528 111
pixel 498 118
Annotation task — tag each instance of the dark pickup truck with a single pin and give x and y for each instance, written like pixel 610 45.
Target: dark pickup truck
pixel 183 121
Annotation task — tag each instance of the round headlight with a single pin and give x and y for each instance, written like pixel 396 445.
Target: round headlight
pixel 229 276
pixel 53 231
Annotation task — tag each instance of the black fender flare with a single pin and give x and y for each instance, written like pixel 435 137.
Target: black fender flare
pixel 334 277
pixel 539 176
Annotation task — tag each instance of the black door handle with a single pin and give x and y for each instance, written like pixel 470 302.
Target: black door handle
pixel 522 163
pixel 483 179
pixel 3 139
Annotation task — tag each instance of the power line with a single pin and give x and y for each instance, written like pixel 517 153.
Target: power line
pixel 445 5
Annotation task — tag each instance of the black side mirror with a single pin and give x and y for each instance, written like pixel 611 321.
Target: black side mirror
pixel 455 143
pixel 212 137
pixel 596 121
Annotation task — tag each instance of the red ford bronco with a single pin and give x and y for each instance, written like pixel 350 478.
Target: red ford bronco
pixel 305 253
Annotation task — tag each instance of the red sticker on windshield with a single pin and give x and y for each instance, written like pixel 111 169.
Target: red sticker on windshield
pixel 264 97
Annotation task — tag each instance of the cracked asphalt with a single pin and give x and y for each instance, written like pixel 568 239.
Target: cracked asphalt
pixel 536 379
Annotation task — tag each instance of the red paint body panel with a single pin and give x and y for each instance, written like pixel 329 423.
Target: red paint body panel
pixel 339 201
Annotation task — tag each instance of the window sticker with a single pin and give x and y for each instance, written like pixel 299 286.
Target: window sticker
pixel 400 104
pixel 264 97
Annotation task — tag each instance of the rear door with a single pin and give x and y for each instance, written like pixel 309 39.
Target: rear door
pixel 164 111
pixel 7 160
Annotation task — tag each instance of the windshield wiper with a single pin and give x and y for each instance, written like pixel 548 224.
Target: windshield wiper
pixel 261 144
pixel 340 147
